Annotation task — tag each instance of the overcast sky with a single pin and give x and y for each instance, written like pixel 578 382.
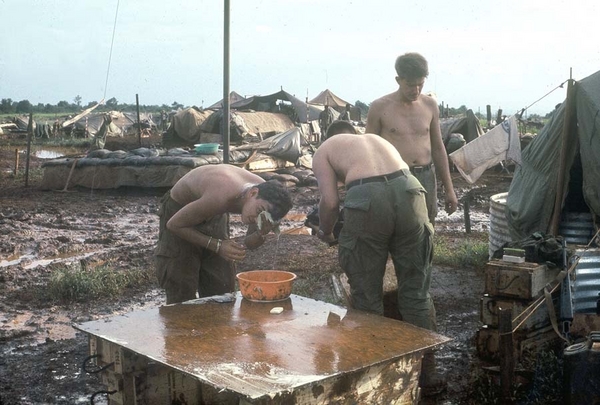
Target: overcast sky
pixel 504 53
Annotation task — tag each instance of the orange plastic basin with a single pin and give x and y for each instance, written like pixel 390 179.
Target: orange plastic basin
pixel 266 285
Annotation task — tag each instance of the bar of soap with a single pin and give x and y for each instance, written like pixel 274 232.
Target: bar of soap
pixel 277 310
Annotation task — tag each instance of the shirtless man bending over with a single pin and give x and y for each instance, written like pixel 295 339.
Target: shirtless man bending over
pixel 410 121
pixel 194 253
pixel 384 213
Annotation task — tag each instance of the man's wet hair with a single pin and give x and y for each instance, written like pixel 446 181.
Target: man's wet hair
pixel 411 66
pixel 277 195
pixel 339 127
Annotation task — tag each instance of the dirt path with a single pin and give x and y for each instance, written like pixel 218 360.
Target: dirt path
pixel 41 231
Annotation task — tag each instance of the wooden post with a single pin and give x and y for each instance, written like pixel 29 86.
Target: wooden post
pixel 16 162
pixel 507 359
pixel 560 187
pixel 499 116
pixel 29 137
pixel 489 115
pixel 467 210
pixel 137 104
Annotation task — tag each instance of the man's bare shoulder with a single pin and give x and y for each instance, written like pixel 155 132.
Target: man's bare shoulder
pixel 429 101
pixel 384 100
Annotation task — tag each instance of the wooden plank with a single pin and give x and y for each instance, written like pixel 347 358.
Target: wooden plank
pixel 507 354
pixel 389 383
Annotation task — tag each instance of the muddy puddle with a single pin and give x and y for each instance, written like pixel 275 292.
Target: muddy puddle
pixel 41 151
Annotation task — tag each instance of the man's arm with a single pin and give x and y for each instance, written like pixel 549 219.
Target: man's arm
pixel 440 159
pixel 184 221
pixel 373 119
pixel 329 202
pixel 183 224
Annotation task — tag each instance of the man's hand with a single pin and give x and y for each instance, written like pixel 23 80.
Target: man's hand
pixel 451 201
pixel 231 250
pixel 327 238
pixel 254 240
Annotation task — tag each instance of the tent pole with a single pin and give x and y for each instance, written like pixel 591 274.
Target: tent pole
pixel 560 186
pixel 226 113
pixel 139 129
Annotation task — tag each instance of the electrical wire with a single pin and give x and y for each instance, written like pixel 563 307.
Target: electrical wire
pixel 111 50
pixel 560 86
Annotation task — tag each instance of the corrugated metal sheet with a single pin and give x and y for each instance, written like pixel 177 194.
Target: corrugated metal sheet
pixel 586 285
pixel 499 233
pixel 577 227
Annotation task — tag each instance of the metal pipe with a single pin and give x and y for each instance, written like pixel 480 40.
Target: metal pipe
pixel 226 113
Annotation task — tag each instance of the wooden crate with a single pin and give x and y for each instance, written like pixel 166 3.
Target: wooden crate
pixel 488 342
pixel 517 280
pixel 489 307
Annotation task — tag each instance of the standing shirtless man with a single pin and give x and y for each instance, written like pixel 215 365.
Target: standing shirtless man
pixel 194 253
pixel 410 121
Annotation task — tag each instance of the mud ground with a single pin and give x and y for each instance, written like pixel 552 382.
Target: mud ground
pixel 41 353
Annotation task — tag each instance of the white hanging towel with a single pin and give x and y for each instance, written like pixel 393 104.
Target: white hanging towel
pixel 501 143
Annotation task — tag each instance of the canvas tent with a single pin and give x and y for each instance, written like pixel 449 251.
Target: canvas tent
pixel 123 123
pixel 246 125
pixel 531 197
pixel 233 98
pixel 467 125
pixel 187 125
pixel 326 97
pixel 280 102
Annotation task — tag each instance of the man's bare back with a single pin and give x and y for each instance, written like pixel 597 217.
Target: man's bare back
pixel 351 157
pixel 224 181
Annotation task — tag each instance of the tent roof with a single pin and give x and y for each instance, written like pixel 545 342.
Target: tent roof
pixel 326 97
pixel 302 111
pixel 233 98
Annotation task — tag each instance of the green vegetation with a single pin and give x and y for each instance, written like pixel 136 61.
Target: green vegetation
pixel 76 284
pixel 464 251
pixel 542 386
pixel 35 175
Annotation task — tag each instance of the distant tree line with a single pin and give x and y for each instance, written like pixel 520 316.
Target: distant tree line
pixel 8 106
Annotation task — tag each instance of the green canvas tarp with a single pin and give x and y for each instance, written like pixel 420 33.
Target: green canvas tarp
pixel 531 196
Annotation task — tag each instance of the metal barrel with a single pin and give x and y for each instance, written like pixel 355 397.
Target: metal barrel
pixel 499 233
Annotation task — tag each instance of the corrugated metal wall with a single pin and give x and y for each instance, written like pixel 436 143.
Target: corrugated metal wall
pixel 586 285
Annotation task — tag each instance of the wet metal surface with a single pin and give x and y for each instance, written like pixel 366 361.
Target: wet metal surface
pixel 241 346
